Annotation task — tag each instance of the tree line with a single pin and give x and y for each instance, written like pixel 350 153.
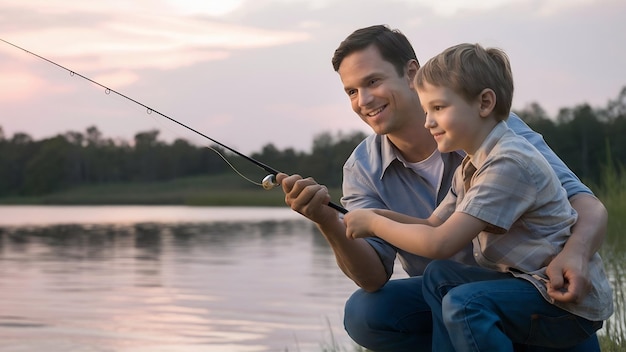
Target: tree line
pixel 587 139
pixel 35 167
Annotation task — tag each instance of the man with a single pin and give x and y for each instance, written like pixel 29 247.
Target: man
pixel 399 168
pixel 505 199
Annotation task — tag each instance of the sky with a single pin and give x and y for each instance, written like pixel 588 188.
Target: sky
pixel 248 73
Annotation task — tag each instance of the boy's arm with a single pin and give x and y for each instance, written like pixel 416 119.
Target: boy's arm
pixel 431 239
pixel 403 218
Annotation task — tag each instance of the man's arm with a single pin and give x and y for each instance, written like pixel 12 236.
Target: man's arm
pixel 568 271
pixel 356 258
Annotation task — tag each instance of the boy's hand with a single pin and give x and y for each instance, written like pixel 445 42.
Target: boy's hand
pixel 358 223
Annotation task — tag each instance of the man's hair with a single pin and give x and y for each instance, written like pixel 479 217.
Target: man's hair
pixel 393 46
pixel 468 69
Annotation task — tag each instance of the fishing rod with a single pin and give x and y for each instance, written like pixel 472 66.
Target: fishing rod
pixel 269 181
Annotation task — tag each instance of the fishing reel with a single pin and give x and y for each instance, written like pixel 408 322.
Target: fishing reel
pixel 269 182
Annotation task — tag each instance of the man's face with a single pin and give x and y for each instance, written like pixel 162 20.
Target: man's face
pixel 380 97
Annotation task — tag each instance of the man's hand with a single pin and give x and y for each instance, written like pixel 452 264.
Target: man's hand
pixel 569 278
pixel 307 197
pixel 569 270
pixel 356 258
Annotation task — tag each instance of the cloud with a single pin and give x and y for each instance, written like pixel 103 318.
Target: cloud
pixel 204 7
pixel 258 71
pixel 123 36
pixel 156 42
pixel 18 86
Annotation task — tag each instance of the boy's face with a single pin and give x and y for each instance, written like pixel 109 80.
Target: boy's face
pixel 455 123
pixel 380 97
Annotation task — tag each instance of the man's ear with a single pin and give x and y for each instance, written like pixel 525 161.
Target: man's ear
pixel 487 100
pixel 411 71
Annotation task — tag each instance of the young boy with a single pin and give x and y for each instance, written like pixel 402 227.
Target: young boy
pixel 505 198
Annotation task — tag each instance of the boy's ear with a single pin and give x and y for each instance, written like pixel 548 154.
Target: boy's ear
pixel 487 102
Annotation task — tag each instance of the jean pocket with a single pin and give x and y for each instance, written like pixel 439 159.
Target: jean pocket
pixel 560 332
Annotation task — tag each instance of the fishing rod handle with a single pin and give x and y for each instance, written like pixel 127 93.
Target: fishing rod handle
pixel 269 182
pixel 339 208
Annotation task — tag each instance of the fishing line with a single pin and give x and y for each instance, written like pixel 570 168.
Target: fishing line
pixel 221 156
pixel 269 181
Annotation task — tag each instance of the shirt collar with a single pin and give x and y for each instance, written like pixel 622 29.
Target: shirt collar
pixel 388 152
pixel 479 158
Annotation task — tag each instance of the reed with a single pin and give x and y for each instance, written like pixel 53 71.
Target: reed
pixel 612 192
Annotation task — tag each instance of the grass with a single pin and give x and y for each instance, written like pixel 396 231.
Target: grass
pixel 613 195
pixel 219 190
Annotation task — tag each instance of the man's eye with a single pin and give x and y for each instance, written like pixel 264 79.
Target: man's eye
pixel 351 92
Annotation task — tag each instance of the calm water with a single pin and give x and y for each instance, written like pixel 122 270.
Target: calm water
pixel 167 279
pixel 171 279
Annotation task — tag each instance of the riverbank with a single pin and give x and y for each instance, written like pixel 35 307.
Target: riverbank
pixel 221 190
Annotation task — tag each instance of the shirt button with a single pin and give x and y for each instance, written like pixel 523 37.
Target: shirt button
pixel 475 254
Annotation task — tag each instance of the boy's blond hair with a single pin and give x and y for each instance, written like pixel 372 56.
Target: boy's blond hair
pixel 468 69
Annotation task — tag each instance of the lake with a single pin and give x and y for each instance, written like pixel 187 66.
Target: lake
pixel 175 278
pixel 167 278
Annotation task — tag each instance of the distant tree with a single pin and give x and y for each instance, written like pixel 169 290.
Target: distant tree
pixel 617 108
pixel 21 139
pixel 144 140
pixel 148 165
pixel 48 170
pixel 16 152
pixel 583 148
pixel 325 163
pixel 615 116
pixel 585 138
pixel 94 136
pixel 287 160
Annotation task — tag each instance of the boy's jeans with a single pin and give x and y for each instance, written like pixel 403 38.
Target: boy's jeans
pixel 468 315
pixel 397 318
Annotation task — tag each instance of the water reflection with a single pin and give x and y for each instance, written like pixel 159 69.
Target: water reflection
pixel 220 286
pixel 236 283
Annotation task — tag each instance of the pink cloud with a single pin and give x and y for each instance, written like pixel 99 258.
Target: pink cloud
pixel 18 86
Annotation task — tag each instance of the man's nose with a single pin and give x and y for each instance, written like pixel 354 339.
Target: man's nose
pixel 365 97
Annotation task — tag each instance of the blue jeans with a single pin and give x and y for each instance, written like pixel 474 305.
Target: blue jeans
pixel 477 309
pixel 396 318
